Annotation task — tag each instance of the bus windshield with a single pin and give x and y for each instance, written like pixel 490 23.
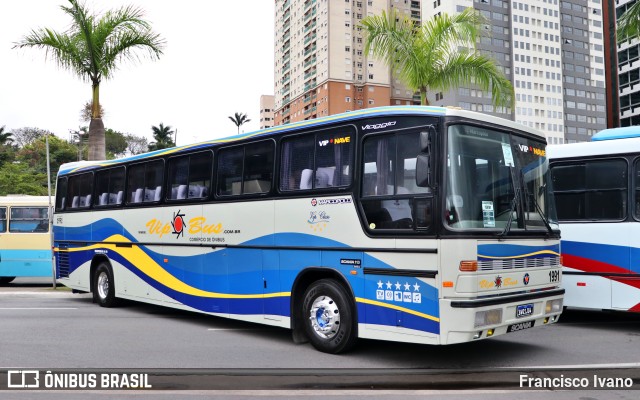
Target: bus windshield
pixel 497 181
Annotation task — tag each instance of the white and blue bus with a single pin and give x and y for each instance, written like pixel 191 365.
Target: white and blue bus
pixel 25 240
pixel 597 191
pixel 413 224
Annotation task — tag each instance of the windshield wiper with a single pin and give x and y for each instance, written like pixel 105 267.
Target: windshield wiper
pixel 514 205
pixel 536 205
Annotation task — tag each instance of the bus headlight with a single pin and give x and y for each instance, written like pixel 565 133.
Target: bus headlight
pixel 553 306
pixel 489 317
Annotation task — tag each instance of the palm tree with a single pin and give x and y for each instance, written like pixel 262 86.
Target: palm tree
pixel 239 119
pixel 92 48
pixel 629 23
pixel 5 137
pixel 163 137
pixel 439 55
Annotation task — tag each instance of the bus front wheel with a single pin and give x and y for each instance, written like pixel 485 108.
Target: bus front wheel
pixel 104 291
pixel 328 317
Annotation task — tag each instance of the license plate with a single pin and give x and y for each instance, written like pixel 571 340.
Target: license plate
pixel 520 326
pixel 524 310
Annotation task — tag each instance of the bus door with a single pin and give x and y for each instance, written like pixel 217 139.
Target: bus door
pixel 624 290
pixel 252 267
pixel 626 296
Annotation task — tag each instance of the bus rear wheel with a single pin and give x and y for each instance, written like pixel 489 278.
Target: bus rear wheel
pixel 6 279
pixel 104 290
pixel 328 317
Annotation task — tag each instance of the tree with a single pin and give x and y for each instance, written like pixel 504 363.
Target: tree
pixel 92 48
pixel 7 151
pixel 85 113
pixel 116 143
pixel 5 137
pixel 20 178
pixel 25 136
pixel 136 144
pixel 163 136
pixel 439 55
pixel 629 23
pixel 34 155
pixel 239 119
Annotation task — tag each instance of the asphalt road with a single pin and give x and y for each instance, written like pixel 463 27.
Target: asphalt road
pixel 42 328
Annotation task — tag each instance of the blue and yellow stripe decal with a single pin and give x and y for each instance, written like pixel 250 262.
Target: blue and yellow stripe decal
pixel 488 252
pixel 153 270
pixel 227 280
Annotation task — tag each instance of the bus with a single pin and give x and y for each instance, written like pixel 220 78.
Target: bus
pixel 414 224
pixel 25 240
pixel 597 191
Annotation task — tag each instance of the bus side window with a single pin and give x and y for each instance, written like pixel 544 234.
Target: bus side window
pixel 61 193
pixel 388 183
pixel 80 190
pixel 3 219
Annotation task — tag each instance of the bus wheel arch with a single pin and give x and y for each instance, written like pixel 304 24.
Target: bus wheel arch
pixel 102 282
pixel 326 289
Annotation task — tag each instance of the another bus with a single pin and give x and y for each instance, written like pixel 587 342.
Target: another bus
pixel 412 224
pixel 25 240
pixel 597 190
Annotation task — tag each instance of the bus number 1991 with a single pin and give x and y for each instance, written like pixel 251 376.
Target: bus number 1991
pixel 554 276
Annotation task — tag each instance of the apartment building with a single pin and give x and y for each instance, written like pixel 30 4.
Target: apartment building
pixel 266 111
pixel 320 65
pixel 553 53
pixel 628 72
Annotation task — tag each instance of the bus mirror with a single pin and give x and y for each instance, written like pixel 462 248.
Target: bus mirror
pixel 423 170
pixel 425 141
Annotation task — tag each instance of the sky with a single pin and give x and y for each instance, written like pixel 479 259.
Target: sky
pixel 218 60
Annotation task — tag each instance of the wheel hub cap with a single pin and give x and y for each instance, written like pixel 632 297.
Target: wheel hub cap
pixel 325 317
pixel 103 285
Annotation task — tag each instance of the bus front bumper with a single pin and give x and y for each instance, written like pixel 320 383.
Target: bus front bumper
pixel 483 318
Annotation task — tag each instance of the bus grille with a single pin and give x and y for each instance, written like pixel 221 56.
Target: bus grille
pixel 517 263
pixel 63 263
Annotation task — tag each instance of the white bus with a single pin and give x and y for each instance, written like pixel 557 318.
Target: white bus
pixel 413 224
pixel 25 241
pixel 597 191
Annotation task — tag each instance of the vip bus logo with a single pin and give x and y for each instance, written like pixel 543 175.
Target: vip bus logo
pixel 378 126
pixel 178 224
pixel 526 149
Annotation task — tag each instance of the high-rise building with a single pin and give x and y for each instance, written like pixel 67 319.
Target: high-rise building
pixel 266 111
pixel 553 53
pixel 628 72
pixel 320 65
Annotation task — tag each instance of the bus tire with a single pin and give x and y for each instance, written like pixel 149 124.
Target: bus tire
pixel 4 280
pixel 104 290
pixel 328 317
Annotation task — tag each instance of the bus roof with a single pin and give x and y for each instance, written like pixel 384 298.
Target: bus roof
pixel 337 118
pixel 24 200
pixel 604 147
pixel 617 133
